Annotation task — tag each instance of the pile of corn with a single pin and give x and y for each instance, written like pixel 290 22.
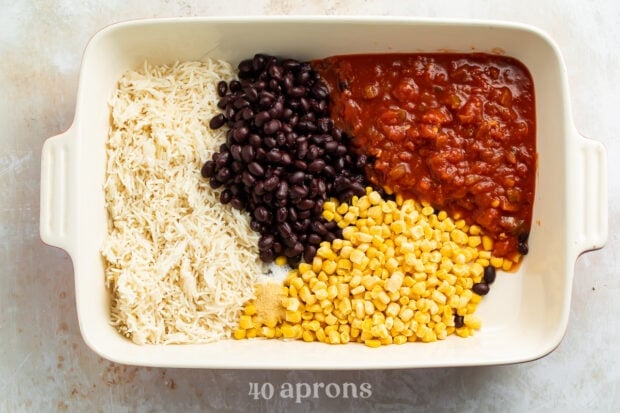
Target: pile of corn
pixel 401 273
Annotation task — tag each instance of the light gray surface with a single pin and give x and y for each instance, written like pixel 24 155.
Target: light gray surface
pixel 44 364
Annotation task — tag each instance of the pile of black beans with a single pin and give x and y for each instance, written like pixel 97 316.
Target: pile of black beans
pixel 283 156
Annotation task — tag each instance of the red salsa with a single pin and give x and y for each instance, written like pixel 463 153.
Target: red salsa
pixel 455 130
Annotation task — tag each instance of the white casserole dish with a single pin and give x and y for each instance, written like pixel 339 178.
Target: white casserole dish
pixel 526 314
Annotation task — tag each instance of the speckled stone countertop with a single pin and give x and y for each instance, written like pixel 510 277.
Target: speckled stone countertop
pixel 45 365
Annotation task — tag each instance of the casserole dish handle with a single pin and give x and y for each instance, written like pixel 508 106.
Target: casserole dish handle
pixel 591 195
pixel 58 190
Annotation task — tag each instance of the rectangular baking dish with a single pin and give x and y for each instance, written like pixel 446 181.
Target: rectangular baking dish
pixel 526 314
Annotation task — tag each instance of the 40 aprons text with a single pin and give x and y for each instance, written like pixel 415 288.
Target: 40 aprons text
pixel 302 391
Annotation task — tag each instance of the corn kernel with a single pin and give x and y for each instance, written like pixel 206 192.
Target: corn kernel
pixel 268 332
pixel 497 262
pixel 245 322
pixel 308 336
pixel 249 309
pixel 487 243
pixel 358 290
pixel 374 343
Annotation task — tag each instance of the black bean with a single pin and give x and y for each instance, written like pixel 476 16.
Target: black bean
pixel 330 147
pixel 271 183
pixel 226 196
pixel 246 114
pixel 230 113
pixel 301 165
pixel 214 182
pixel 222 88
pixel 258 62
pixel 330 237
pixel 316 166
pixel 268 198
pixel 247 179
pixel 294 250
pixel 314 239
pixel 305 204
pixel 481 288
pixel 303 214
pixel 235 152
pixel 320 90
pixel 290 64
pixel 298 191
pixel 522 245
pixel 313 153
pixel 280 138
pixel 267 255
pixel 285 230
pixel 240 103
pixel 358 189
pixel 279 203
pixel 303 77
pixel 274 155
pixel 255 140
pixel 234 86
pixel 489 274
pixel 306 126
pixel 240 134
pixel 251 94
pixel 281 214
pixel 261 154
pixel 329 170
pixel 297 177
pixel 361 161
pixel 269 142
pixel 459 321
pixel 319 228
pixel 208 169
pixel 277 247
pixel 265 102
pixel 217 121
pixel 236 167
pixel 276 110
pixel 282 191
pixel 292 214
pixel 261 118
pixel 302 148
pixel 340 164
pixel 255 168
pixel 305 225
pixel 237 203
pixel 304 105
pixel 275 71
pixel 261 214
pixel 223 102
pixel 259 188
pixel 247 153
pixel 309 253
pixel 286 159
pixel 297 91
pixel 288 81
pixel 297 226
pixel 331 225
pixel 266 242
pixel 245 67
pixel 223 175
pixel 325 125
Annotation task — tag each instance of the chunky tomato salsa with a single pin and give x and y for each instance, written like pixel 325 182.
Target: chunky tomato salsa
pixel 455 130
